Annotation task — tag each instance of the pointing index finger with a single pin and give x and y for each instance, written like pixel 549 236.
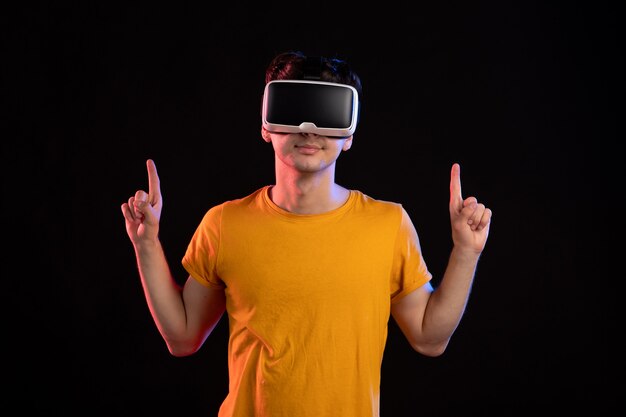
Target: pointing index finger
pixel 154 186
pixel 456 198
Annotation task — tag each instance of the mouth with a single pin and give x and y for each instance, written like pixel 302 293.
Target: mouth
pixel 308 149
pixel 309 146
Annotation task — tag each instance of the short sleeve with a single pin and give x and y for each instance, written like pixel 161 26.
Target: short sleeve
pixel 409 270
pixel 201 258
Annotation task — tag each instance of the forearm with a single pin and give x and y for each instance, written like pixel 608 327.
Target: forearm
pixel 163 294
pixel 447 303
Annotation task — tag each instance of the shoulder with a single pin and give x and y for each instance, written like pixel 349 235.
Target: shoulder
pixel 234 205
pixel 247 200
pixel 377 211
pixel 367 202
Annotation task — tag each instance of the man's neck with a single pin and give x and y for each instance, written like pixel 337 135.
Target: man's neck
pixel 308 195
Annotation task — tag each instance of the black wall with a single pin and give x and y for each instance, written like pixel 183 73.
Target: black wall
pixel 523 96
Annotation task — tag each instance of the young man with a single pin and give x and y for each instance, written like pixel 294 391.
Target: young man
pixel 308 272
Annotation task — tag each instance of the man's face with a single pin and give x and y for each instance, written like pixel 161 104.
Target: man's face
pixel 306 152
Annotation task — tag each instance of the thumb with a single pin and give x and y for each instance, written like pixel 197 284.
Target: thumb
pixel 144 209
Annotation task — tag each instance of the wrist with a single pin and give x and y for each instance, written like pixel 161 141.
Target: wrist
pixel 144 246
pixel 464 254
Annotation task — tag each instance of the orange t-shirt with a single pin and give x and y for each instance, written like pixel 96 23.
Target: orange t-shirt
pixel 308 300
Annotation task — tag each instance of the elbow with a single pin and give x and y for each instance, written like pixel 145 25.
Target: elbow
pixel 180 353
pixel 181 349
pixel 185 344
pixel 432 350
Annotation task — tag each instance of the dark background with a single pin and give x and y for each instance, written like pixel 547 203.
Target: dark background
pixel 524 96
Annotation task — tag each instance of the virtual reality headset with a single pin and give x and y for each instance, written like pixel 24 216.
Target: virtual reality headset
pixel 304 106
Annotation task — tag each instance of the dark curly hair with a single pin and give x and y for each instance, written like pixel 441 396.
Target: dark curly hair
pixel 291 65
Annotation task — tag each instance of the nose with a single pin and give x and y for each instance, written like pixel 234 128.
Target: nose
pixel 309 135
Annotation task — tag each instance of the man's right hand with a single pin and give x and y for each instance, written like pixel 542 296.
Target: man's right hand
pixel 142 212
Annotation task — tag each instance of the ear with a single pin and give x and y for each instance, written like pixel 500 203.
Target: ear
pixel 347 144
pixel 266 135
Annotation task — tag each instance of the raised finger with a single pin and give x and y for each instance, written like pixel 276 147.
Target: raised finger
pixel 154 184
pixel 456 197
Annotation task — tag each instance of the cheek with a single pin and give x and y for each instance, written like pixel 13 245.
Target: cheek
pixel 283 150
pixel 332 153
pixel 282 147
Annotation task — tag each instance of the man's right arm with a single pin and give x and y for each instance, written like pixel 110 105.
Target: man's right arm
pixel 186 315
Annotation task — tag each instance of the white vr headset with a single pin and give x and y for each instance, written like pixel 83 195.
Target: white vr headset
pixel 304 106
